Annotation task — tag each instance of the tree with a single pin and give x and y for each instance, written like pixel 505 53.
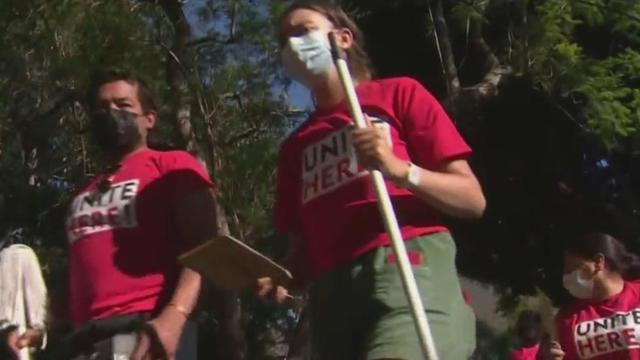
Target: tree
pixel 214 69
pixel 547 94
pixel 546 91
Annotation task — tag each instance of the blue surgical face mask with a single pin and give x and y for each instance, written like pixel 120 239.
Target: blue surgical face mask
pixel 307 56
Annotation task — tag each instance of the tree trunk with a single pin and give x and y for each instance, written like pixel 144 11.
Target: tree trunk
pixel 443 41
pixel 179 66
pixel 179 63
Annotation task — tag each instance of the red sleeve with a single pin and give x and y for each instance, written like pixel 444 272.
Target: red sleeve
pixel 182 173
pixel 431 136
pixel 286 208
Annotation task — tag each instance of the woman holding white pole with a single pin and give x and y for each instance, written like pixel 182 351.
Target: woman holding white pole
pixel 327 203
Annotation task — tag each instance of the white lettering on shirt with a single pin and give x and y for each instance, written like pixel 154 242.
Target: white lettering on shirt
pixel 331 162
pixel 619 331
pixel 96 211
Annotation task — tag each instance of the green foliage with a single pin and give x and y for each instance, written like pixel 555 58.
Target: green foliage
pixel 580 56
pixel 598 84
pixel 239 94
pixel 556 144
pixel 50 49
pixel 464 11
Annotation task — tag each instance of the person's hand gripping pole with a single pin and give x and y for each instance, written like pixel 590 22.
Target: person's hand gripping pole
pixel 386 210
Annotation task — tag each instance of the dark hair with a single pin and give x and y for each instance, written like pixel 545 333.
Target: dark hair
pixel 112 74
pixel 617 258
pixel 357 58
pixel 529 327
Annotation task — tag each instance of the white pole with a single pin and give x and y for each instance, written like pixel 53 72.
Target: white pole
pixel 388 215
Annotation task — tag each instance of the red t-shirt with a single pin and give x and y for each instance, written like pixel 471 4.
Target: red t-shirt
pixel 606 330
pixel 123 241
pixel 324 196
pixel 525 353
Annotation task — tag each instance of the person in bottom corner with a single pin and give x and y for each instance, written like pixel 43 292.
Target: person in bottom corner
pixel 326 203
pixel 23 301
pixel 603 323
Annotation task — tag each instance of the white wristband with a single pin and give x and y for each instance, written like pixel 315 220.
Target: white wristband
pixel 413 176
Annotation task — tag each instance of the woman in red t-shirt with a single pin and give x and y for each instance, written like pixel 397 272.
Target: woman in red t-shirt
pixel 326 202
pixel 604 321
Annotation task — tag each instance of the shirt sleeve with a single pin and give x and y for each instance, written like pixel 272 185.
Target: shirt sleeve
pixel 431 136
pixel 191 171
pixel 35 291
pixel 182 174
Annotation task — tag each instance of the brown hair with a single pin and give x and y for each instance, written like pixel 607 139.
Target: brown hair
pixel 617 258
pixel 357 58
pixel 112 74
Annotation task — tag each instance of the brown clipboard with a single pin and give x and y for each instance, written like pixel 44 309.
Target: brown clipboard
pixel 232 265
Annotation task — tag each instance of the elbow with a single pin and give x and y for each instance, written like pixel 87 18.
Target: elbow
pixel 474 203
pixel 479 202
pixel 476 206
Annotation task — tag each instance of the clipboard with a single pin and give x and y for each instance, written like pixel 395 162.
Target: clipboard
pixel 232 265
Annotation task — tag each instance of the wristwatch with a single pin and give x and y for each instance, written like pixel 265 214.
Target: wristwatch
pixel 413 177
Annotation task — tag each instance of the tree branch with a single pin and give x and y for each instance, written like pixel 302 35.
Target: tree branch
pixel 445 49
pixel 491 81
pixel 493 70
pixel 70 96
pixel 241 136
pixel 215 38
pixel 477 40
pixel 488 86
pixel 211 39
pixel 179 62
pixel 233 23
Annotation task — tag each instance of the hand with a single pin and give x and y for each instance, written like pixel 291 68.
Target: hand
pixel 31 338
pixel 266 289
pixel 556 352
pixel 163 343
pixel 13 344
pixel 374 152
pixel 549 350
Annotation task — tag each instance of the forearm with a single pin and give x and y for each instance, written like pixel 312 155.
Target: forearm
pixel 167 327
pixel 196 220
pixel 450 188
pixel 185 296
pixel 453 194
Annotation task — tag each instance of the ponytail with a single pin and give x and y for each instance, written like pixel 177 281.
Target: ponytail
pixel 618 258
pixel 631 267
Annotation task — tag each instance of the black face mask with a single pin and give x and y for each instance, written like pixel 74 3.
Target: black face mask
pixel 115 131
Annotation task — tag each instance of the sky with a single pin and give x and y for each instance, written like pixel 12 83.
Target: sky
pixel 298 95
